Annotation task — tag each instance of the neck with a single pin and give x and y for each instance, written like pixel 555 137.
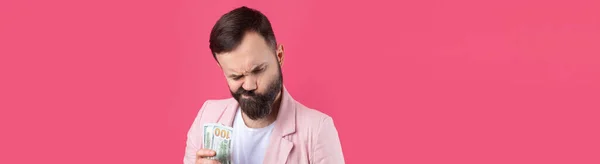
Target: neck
pixel 266 121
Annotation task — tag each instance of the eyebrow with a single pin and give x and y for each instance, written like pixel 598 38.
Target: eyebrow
pixel 254 68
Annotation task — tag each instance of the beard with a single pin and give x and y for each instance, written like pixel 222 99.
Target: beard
pixel 258 105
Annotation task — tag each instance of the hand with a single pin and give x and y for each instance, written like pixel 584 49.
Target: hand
pixel 203 153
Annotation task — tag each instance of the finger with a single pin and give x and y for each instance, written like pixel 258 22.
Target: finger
pixel 205 153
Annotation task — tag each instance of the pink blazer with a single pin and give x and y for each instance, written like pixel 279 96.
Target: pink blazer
pixel 301 135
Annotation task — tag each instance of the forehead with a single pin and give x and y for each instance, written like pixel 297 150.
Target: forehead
pixel 252 51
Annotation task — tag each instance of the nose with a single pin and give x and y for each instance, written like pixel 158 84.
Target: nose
pixel 249 83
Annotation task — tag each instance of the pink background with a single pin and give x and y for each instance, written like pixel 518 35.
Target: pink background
pixel 420 81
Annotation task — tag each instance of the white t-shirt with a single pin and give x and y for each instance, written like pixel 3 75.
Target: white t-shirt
pixel 249 144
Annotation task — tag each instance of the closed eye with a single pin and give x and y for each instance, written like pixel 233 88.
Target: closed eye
pixel 236 77
pixel 256 71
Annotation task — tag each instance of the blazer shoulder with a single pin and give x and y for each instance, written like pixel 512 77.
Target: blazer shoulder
pixel 214 106
pixel 310 116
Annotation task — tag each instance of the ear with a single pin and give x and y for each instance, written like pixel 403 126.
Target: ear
pixel 280 54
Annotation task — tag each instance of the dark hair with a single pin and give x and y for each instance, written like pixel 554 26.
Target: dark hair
pixel 230 29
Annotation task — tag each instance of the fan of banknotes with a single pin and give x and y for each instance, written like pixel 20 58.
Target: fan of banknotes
pixel 217 137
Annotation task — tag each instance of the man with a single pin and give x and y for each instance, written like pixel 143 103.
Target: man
pixel 269 126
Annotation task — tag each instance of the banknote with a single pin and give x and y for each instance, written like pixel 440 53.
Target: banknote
pixel 217 137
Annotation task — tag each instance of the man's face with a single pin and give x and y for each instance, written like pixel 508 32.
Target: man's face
pixel 253 74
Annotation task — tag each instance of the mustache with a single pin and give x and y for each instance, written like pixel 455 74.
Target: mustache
pixel 241 91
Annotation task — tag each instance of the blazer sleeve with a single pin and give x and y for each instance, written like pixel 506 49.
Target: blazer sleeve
pixel 328 149
pixel 194 138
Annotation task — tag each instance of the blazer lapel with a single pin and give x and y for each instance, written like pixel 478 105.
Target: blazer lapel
pixel 228 114
pixel 280 145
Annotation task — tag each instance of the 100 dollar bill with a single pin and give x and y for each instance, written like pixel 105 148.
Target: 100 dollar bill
pixel 217 137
